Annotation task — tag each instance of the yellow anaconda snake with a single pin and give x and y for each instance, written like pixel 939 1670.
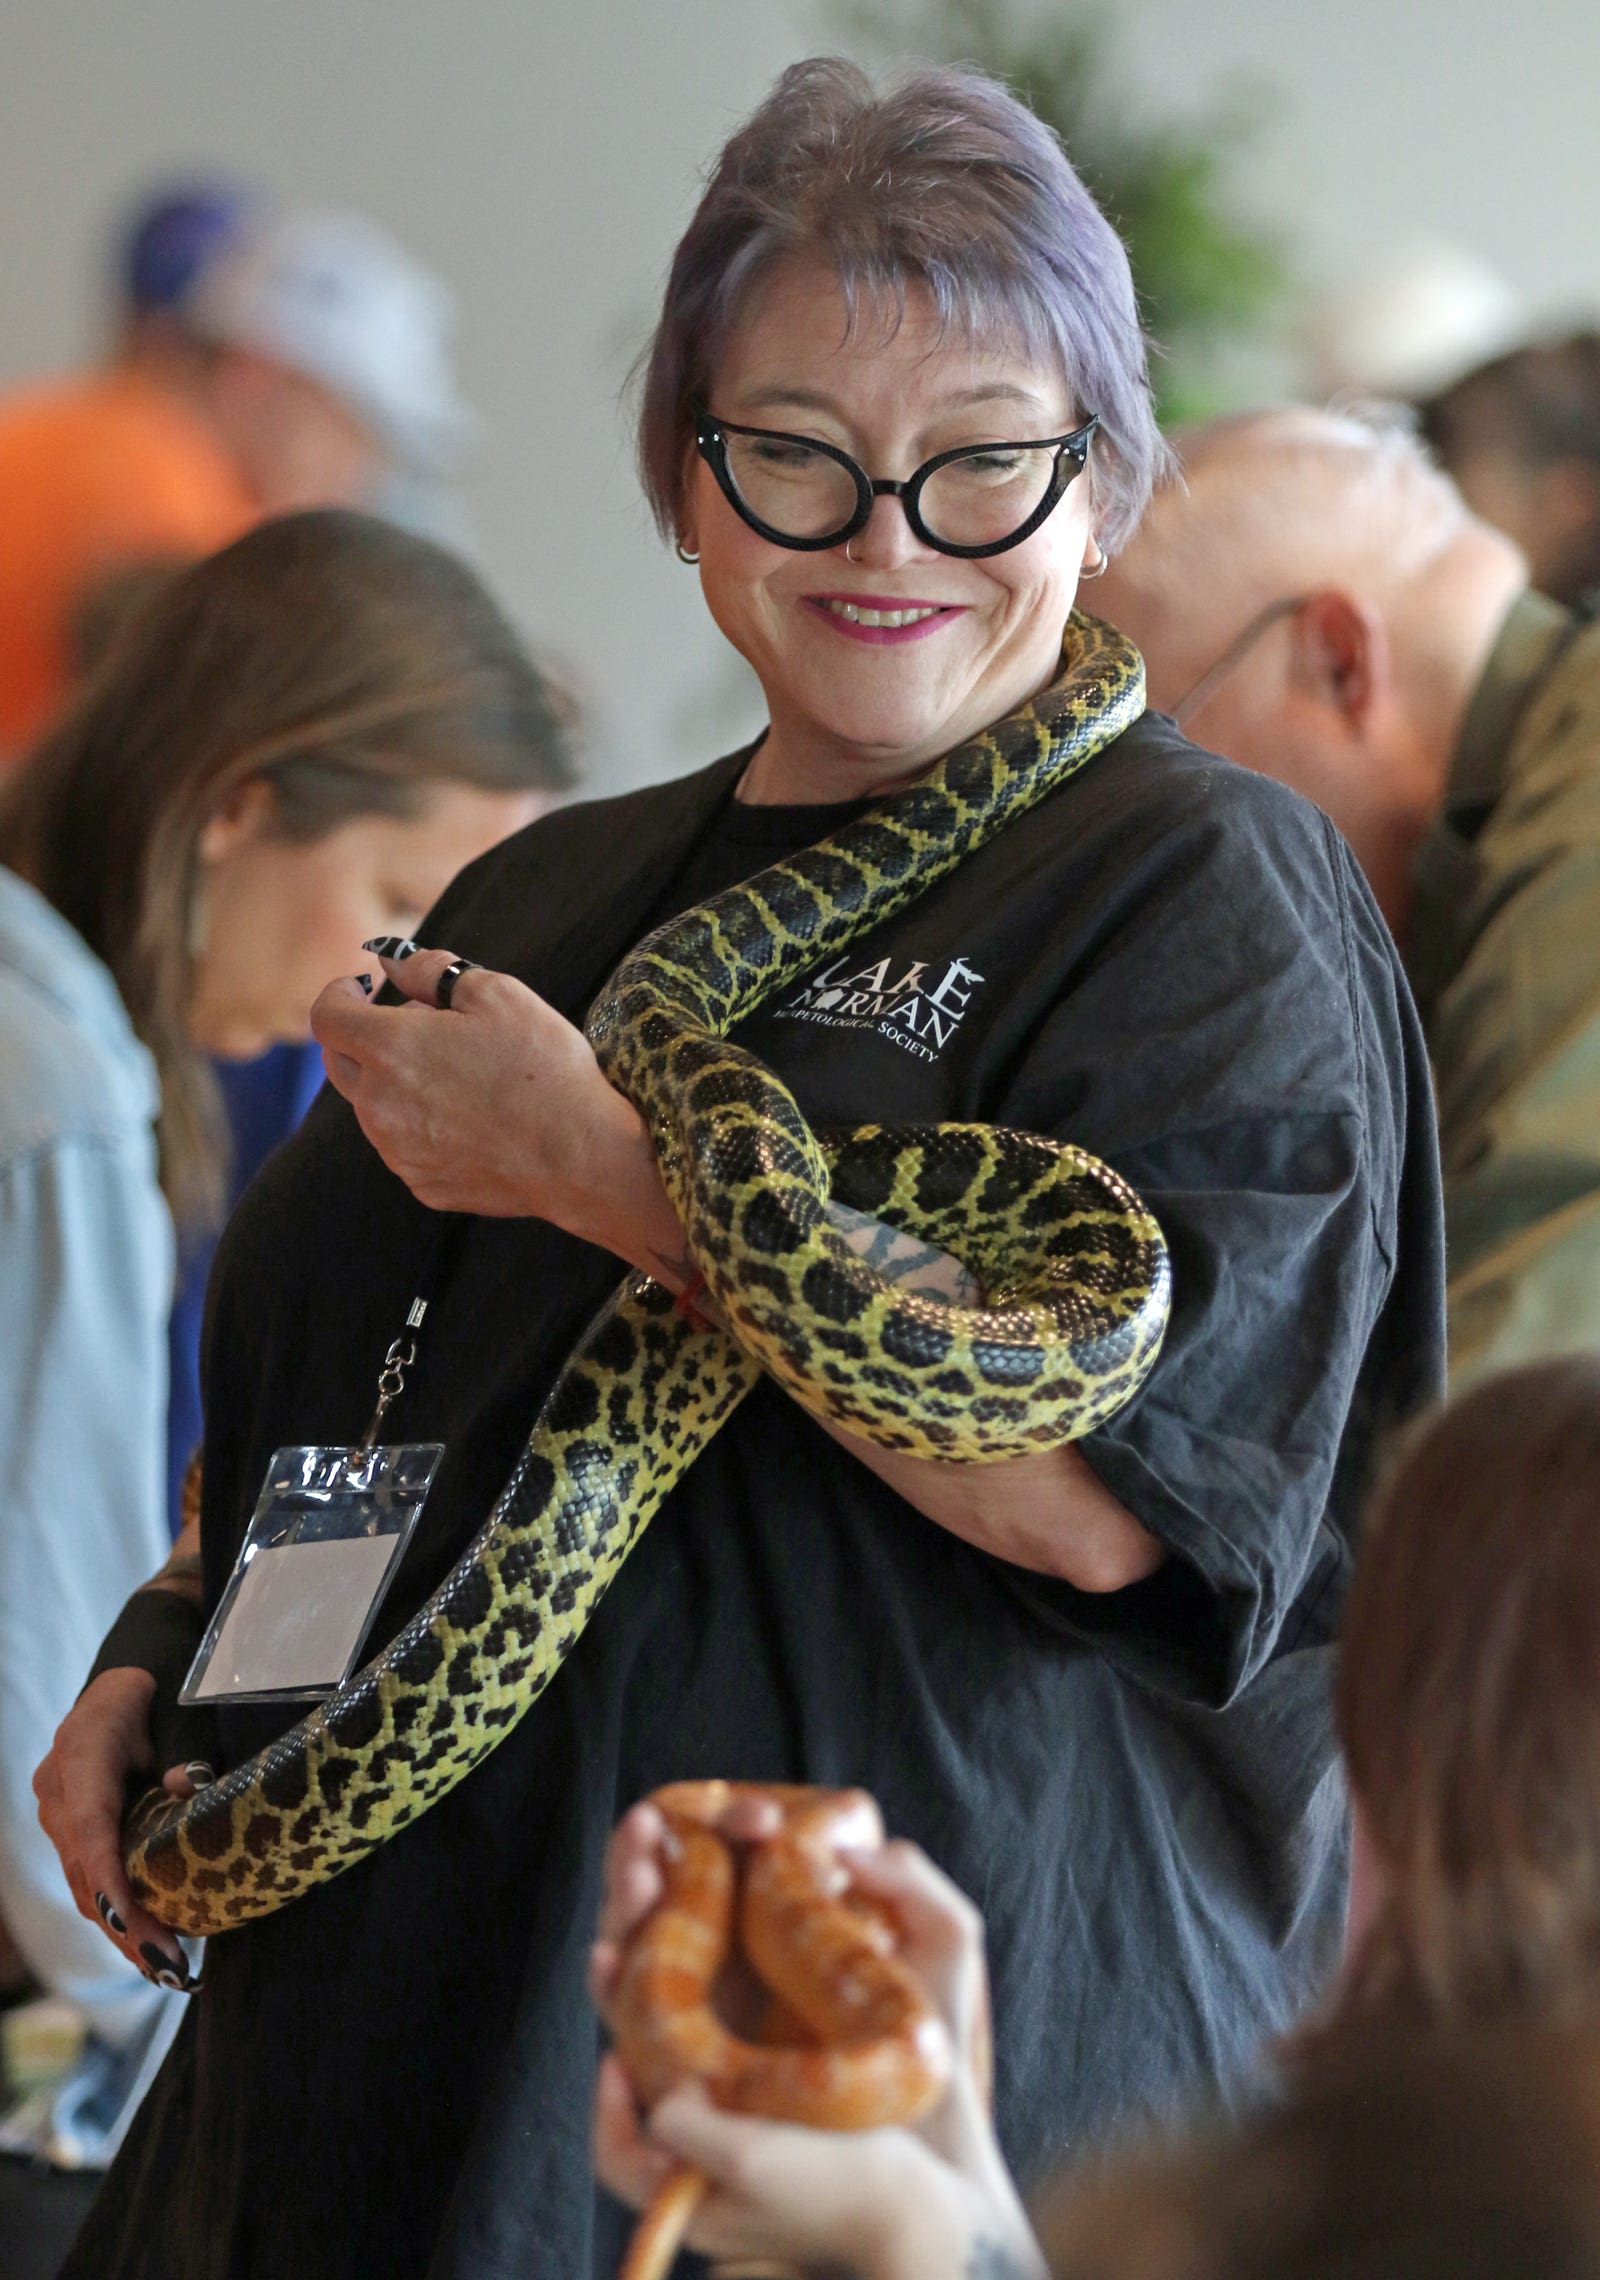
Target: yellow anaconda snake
pixel 1072 1269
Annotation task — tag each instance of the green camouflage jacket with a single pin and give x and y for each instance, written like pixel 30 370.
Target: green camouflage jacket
pixel 1504 956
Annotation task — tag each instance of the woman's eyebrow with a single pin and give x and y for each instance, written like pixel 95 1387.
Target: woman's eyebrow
pixel 991 392
pixel 783 397
pixel 780 398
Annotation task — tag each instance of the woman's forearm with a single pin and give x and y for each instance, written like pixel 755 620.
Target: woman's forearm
pixel 920 2251
pixel 1047 1511
pixel 623 1205
pixel 943 2223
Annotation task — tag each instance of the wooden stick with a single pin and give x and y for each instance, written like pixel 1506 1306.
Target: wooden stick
pixel 659 2233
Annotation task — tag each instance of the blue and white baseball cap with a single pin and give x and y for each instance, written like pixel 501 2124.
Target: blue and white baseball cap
pixel 172 236
pixel 334 297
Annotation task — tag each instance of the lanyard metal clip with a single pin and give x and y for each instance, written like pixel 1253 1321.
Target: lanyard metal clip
pixel 392 1377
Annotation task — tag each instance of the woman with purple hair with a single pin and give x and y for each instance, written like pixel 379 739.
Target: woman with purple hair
pixel 895 410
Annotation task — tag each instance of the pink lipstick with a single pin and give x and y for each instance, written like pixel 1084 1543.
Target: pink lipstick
pixel 881 618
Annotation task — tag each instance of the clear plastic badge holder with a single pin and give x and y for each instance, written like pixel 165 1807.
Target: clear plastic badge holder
pixel 329 1530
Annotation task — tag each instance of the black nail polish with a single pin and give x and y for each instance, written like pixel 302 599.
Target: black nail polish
pixel 366 982
pixel 164 1970
pixel 109 1914
pixel 395 946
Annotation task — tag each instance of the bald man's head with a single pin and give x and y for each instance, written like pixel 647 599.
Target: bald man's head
pixel 1274 504
pixel 1315 601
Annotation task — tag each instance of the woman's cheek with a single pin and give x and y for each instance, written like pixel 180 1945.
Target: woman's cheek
pixel 325 948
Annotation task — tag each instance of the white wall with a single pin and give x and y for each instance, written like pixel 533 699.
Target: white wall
pixel 544 154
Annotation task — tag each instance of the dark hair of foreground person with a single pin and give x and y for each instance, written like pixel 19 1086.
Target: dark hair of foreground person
pixel 1459 2155
pixel 1469 1712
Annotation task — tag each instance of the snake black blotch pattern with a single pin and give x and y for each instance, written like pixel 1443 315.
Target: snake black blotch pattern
pixel 1072 1269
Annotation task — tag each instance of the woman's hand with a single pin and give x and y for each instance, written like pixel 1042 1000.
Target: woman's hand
pixel 862 2200
pixel 104 1738
pixel 889 2203
pixel 496 1106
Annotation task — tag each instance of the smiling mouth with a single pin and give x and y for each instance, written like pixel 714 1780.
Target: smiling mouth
pixel 887 613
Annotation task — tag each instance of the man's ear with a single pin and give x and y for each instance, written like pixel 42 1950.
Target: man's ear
pixel 1342 654
pixel 246 814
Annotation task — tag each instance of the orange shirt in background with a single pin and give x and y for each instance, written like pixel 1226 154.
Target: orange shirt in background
pixel 95 473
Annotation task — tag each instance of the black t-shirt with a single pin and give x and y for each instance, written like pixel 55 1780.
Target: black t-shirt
pixel 1174 964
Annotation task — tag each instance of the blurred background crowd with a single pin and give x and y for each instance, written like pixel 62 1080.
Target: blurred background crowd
pixel 1269 167
pixel 401 260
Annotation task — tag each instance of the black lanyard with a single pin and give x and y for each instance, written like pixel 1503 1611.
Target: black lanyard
pixel 442 1251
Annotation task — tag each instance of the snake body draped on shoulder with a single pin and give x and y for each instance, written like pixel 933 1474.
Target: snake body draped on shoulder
pixel 1072 1270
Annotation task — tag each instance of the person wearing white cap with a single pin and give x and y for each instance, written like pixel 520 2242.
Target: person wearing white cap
pixel 307 364
pixel 334 303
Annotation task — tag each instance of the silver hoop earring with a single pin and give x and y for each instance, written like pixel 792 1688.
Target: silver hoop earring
pixel 1098 571
pixel 683 553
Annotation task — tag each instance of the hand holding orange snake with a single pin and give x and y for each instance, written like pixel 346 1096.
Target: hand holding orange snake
pixel 871 1975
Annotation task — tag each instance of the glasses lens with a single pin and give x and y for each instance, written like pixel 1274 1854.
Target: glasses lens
pixel 986 495
pixel 789 486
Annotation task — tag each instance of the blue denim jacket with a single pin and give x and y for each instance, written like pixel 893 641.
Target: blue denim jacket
pixel 86 1272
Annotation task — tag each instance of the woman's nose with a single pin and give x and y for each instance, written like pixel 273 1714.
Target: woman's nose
pixel 888 539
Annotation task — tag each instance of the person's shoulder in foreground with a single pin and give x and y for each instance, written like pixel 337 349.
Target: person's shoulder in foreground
pixel 74 1069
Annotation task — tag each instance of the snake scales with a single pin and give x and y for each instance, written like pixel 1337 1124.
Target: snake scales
pixel 1072 1268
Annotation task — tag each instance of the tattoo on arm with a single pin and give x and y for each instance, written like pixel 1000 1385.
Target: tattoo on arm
pixel 906 1260
pixel 182 1574
pixel 189 1502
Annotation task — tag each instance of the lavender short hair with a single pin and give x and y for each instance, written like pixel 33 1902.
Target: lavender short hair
pixel 944 181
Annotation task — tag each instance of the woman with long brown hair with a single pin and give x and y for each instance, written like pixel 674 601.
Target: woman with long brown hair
pixel 296 743
pixel 1470 1714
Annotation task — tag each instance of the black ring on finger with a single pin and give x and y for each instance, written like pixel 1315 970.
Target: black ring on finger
pixel 444 989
